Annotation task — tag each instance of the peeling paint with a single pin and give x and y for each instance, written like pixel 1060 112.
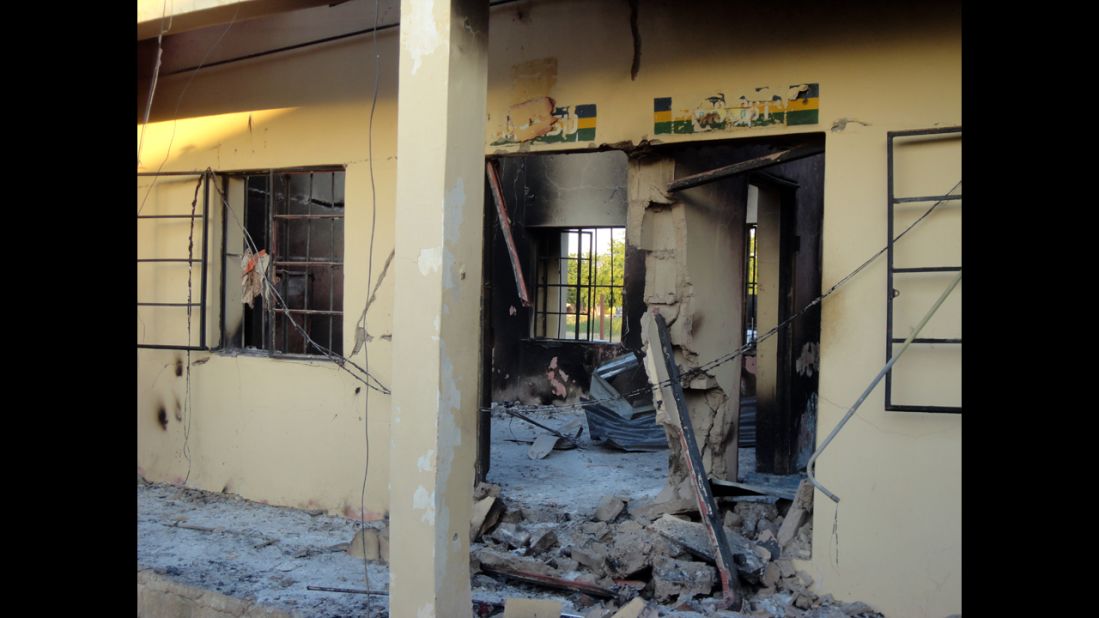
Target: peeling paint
pixel 797 105
pixel 419 35
pixel 425 461
pixel 542 121
pixel 423 501
pixel 430 260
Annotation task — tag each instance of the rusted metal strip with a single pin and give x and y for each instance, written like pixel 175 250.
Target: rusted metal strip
pixel 505 225
pixel 797 152
pixel 660 350
pixel 552 582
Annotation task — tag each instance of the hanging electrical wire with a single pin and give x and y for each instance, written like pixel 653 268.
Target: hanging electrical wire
pixel 281 305
pixel 688 374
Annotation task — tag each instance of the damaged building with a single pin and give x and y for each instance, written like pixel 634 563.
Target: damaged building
pixel 417 264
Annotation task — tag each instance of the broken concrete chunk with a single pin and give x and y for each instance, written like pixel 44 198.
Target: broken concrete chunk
pixel 678 577
pixel 542 446
pixel 503 561
pixel 593 557
pixel 799 510
pixel 692 536
pixel 485 489
pixel 511 535
pixel 609 508
pixel 787 568
pixel 771 575
pixel 543 542
pixel 486 513
pixel 826 612
pixel 598 612
pixel 532 608
pixel 636 608
pixel 366 544
pixel 598 529
pixel 732 520
pixel 805 578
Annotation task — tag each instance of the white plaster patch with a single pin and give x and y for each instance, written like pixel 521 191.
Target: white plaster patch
pixel 430 260
pixel 425 460
pixel 423 501
pixel 427 610
pixel 422 37
pixel 453 203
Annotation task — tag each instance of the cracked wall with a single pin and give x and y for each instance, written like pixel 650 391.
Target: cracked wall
pixel 693 246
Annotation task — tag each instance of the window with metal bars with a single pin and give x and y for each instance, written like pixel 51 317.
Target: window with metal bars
pixel 579 284
pixel 296 217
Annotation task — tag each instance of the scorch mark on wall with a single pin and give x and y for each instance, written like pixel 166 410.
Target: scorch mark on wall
pixel 796 105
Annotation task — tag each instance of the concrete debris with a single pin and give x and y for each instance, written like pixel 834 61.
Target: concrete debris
pixel 542 543
pixel 485 489
pixel 511 536
pixel 801 508
pixel 365 544
pixel 597 529
pixel 609 508
pixel 532 608
pixel 542 446
pixel 681 578
pixel 485 515
pixel 693 538
pixel 636 608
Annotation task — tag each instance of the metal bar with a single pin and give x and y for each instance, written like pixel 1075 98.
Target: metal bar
pixel 928 198
pixel 889 267
pixel 700 483
pixel 916 132
pixel 576 326
pixel 931 409
pixel 268 210
pixel 926 340
pixel 552 582
pixel 171 173
pixel 308 239
pixel 309 263
pixel 347 590
pixel 169 304
pixel 153 346
pixel 183 260
pixel 505 225
pixel 224 244
pixel 928 269
pixel 311 311
pixel 797 152
pixel 866 393
pixel 521 416
pixel 205 243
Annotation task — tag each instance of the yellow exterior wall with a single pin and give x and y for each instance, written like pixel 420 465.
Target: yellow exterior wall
pixel 289 431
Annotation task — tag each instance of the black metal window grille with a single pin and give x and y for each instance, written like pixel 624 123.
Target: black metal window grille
pixel 198 233
pixel 579 284
pixel 891 340
pixel 297 216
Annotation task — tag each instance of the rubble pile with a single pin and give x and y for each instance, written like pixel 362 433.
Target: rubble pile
pixel 627 563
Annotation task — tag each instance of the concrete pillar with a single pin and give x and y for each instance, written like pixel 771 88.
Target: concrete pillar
pixel 436 322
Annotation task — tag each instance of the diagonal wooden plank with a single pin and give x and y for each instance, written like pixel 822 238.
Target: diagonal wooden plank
pixel 797 152
pixel 505 226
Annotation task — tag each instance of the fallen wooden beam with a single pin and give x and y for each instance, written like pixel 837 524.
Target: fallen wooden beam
pixel 797 152
pixel 672 410
pixel 505 226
